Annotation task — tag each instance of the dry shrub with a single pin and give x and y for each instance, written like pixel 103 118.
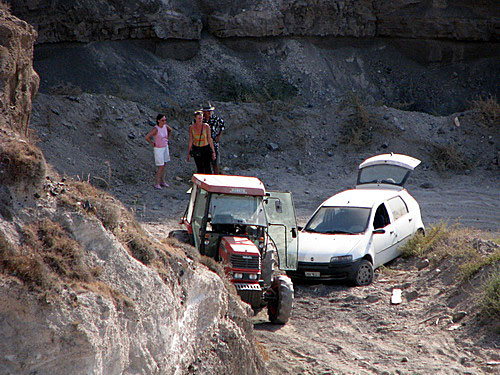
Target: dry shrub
pixel 218 268
pixel 448 158
pixel 4 6
pixel 487 112
pixel 190 251
pixel 63 255
pixel 47 257
pixel 66 89
pixel 262 350
pixel 87 199
pixel 21 162
pixel 357 131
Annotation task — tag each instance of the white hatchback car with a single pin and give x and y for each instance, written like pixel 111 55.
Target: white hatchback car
pixel 360 229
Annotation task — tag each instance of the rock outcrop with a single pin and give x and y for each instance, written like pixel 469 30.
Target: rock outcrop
pixel 415 19
pixel 439 19
pixel 132 319
pixel 18 81
pixel 85 21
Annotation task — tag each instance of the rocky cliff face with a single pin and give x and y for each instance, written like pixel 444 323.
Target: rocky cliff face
pixel 131 319
pixel 18 81
pixel 111 20
pixel 84 289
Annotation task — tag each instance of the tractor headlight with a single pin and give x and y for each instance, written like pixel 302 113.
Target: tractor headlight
pixel 237 275
pixel 341 259
pixel 253 276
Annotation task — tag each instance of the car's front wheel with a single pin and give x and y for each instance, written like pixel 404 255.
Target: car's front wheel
pixel 363 274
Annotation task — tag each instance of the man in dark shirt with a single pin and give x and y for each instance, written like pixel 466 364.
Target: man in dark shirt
pixel 216 127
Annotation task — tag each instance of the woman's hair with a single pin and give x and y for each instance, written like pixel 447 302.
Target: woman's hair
pixel 159 117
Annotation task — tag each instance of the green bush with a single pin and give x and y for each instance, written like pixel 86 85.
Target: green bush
pixel 490 298
pixel 419 245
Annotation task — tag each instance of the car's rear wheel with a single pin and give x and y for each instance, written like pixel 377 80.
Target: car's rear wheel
pixel 364 273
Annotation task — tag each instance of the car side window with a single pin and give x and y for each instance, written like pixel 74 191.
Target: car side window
pixel 398 207
pixel 381 218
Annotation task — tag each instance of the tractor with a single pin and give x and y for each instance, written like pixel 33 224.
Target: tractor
pixel 234 220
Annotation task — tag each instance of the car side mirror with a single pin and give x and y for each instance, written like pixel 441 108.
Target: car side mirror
pixel 300 227
pixel 379 231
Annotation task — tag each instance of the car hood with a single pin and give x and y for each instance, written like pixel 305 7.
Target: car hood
pixel 321 247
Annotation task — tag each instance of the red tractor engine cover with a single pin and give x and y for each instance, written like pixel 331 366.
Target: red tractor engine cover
pixel 239 254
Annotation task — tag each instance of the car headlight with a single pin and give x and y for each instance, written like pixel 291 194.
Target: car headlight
pixel 253 276
pixel 341 259
pixel 238 275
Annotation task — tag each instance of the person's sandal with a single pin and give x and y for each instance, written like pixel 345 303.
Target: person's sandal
pixel 157 187
pixel 164 184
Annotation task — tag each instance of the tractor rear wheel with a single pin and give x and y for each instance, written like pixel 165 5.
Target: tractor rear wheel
pixel 279 309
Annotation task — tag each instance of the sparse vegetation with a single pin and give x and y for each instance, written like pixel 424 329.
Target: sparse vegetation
pixel 46 257
pixel 113 216
pixel 487 112
pixel 448 158
pixel 490 298
pixel 361 125
pixel 4 6
pixel 226 87
pixel 66 89
pixel 21 162
pixel 467 254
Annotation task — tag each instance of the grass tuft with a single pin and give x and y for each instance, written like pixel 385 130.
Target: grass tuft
pixel 21 162
pixel 490 298
pixel 487 112
pixel 468 254
pixel 448 158
pixel 358 130
pixel 4 6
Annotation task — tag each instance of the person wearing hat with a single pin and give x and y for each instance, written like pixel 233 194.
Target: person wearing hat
pixel 216 127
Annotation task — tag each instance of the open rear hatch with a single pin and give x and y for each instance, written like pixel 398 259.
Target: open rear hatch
pixel 386 170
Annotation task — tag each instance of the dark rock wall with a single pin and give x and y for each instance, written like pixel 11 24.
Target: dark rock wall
pixel 84 20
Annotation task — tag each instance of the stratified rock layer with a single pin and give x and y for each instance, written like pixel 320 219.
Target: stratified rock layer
pixel 113 20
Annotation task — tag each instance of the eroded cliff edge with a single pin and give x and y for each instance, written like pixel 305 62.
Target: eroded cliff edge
pixel 84 288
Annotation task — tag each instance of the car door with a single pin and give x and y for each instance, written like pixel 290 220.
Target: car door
pixel 383 236
pixel 282 227
pixel 403 222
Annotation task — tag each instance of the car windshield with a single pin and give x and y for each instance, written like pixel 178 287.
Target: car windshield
pixel 339 220
pixel 386 174
pixel 236 209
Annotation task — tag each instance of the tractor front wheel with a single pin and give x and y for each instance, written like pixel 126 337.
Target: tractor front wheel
pixel 279 308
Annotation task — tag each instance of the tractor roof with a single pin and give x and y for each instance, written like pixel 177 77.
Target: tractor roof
pixel 239 185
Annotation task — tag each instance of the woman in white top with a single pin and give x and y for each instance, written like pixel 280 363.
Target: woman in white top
pixel 160 133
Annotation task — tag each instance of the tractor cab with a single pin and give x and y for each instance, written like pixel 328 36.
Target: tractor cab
pixel 234 220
